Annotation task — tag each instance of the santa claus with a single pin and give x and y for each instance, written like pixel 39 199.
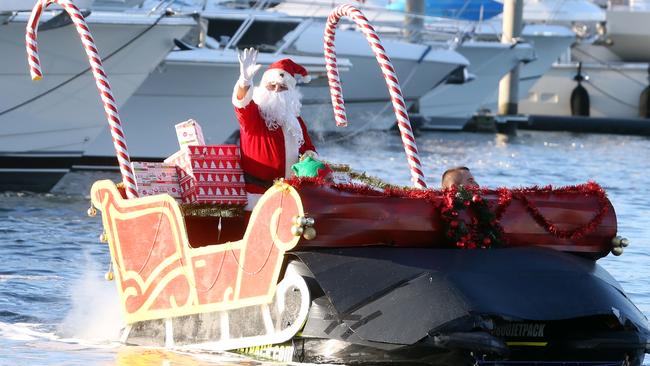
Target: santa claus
pixel 273 136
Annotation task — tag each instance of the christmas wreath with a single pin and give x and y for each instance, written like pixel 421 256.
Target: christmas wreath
pixel 483 230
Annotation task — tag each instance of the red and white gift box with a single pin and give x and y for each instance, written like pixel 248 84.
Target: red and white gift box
pixel 189 133
pixel 156 178
pixel 210 174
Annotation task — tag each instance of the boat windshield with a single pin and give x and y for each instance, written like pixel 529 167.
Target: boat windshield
pixel 265 35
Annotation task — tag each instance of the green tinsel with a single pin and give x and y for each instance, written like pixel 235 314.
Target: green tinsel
pixel 211 210
pixel 362 177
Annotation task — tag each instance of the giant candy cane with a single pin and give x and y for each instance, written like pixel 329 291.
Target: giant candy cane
pixel 101 80
pixel 391 81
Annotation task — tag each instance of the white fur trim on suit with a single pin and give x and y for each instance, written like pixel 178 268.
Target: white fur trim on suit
pixel 278 76
pixel 241 103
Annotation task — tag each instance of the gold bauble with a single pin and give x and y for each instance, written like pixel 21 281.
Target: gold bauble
pixel 109 276
pixel 297 220
pixel 616 241
pixel 103 237
pixel 625 242
pixel 296 230
pixel 92 211
pixel 309 233
pixel 617 251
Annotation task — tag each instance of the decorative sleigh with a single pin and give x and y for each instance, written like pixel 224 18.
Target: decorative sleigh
pixel 340 273
pixel 172 267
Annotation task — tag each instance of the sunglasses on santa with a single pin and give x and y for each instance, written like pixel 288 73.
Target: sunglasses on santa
pixel 276 87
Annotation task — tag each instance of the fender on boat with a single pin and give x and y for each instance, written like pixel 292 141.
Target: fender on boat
pixel 399 296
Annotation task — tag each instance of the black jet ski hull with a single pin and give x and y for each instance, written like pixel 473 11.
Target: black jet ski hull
pixel 453 307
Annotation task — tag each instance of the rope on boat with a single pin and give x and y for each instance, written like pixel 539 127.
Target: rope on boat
pixel 399 106
pixel 101 80
pixel 82 72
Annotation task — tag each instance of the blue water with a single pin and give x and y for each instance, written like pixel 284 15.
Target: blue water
pixel 57 309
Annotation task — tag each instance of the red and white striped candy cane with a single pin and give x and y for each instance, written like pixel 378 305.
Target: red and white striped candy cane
pixel 101 80
pixel 391 81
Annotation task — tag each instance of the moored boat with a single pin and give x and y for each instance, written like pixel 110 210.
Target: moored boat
pixel 47 126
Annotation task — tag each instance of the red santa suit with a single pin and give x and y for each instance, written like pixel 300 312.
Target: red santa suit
pixel 267 153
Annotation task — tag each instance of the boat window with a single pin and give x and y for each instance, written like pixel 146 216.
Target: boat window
pixel 223 29
pixel 266 36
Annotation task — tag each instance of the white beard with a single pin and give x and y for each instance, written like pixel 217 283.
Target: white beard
pixel 280 109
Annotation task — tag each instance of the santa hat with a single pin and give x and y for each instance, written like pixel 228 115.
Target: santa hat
pixel 285 72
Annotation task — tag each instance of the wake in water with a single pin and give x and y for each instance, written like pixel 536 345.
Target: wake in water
pixel 95 308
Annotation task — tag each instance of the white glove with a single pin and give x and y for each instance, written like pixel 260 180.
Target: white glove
pixel 248 66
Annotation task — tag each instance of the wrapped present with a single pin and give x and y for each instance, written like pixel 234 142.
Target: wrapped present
pixel 156 178
pixel 210 174
pixel 189 133
pixel 176 157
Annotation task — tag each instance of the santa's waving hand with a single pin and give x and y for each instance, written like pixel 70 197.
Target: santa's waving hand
pixel 248 66
pixel 273 136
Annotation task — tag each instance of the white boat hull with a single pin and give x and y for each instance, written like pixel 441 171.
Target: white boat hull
pixel 56 118
pixel 198 84
pixel 449 106
pixel 614 90
pixel 194 84
pixel 628 32
pixel 550 43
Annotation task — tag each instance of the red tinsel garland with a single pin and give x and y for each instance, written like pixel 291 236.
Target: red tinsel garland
pixel 445 201
pixel 588 189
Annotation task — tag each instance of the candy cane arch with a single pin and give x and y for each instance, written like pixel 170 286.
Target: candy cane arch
pixel 101 80
pixel 391 81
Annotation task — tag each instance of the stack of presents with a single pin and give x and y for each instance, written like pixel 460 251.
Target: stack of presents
pixel 197 173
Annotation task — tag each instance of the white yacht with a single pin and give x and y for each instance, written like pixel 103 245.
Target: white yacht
pixel 614 90
pixel 203 81
pixel 613 59
pixel 550 42
pixel 198 82
pixel 46 125
pixel 450 106
pixel 419 68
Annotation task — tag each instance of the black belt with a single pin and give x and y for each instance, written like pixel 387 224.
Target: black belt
pixel 257 181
